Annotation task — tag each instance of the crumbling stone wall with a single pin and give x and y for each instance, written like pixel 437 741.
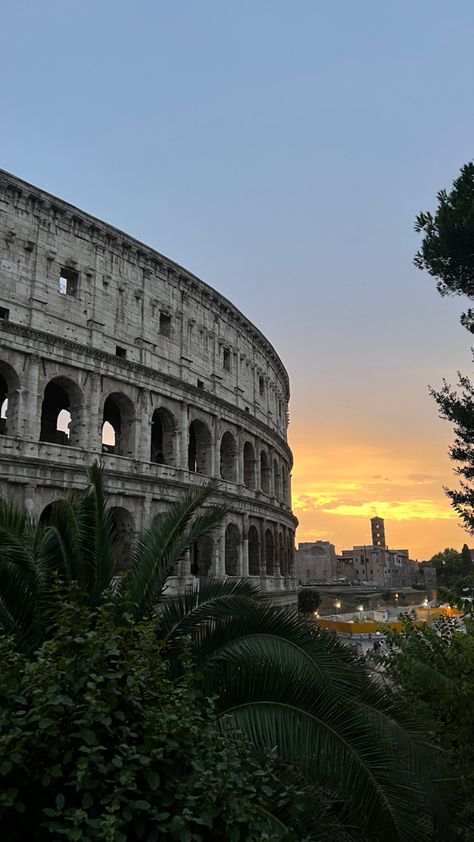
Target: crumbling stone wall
pixel 109 349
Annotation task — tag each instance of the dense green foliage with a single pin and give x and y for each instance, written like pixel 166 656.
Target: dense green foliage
pixel 447 253
pixel 446 250
pixel 448 564
pixel 275 677
pixel 99 743
pixel 309 600
pixel 433 670
pixel 458 408
pixel 78 545
pixel 455 576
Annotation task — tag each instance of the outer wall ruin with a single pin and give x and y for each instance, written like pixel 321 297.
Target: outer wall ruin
pixel 110 350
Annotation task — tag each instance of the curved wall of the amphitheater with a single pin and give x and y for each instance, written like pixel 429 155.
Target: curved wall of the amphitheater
pixel 96 327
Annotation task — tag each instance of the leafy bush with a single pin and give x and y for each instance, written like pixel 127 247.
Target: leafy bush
pixel 309 600
pixel 433 668
pixel 98 742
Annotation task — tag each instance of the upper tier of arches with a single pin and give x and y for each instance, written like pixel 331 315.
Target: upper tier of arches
pixel 156 430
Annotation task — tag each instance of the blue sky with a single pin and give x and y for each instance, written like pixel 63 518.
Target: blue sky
pixel 281 151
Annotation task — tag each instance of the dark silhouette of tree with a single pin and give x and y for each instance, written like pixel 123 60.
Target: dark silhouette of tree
pixel 447 253
pixel 308 600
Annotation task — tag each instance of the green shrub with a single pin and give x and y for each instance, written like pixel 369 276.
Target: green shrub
pixel 98 742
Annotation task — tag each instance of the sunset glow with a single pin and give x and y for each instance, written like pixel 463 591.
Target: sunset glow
pixel 337 489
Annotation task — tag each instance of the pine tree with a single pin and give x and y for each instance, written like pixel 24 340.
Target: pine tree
pixel 447 253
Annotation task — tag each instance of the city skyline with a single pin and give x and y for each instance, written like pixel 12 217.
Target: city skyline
pixel 281 154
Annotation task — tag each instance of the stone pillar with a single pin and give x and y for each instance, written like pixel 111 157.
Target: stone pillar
pixel 219 550
pixel 32 404
pixel 239 458
pixel 94 413
pixel 215 448
pixel 143 427
pixel 245 547
pixel 182 438
pixel 186 564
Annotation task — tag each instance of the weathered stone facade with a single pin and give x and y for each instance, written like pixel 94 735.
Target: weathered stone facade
pixel 110 350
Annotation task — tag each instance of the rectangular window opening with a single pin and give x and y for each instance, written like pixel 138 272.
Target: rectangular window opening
pixel 261 386
pixel 68 281
pixel 165 324
pixel 4 314
pixel 200 384
pixel 120 352
pixel 226 359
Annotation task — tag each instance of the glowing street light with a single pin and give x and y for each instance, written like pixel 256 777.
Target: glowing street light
pixel 337 605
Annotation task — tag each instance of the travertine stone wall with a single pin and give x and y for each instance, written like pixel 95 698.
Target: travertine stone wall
pixel 96 326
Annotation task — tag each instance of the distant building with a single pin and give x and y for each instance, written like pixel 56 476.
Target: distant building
pixel 376 562
pixel 378 531
pixel 315 562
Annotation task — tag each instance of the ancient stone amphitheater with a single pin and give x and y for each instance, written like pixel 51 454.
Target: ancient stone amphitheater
pixel 110 350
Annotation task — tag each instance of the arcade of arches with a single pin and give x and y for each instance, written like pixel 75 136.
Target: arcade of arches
pixel 62 421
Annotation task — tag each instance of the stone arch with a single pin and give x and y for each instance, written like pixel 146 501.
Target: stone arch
pixel 47 511
pixel 228 460
pixel 254 551
pixel 123 531
pixel 118 425
pixel 61 412
pixel 202 553
pixel 264 472
pixel 281 554
pixel 249 465
pixel 9 399
pixel 232 549
pixel 276 479
pixel 199 448
pixel 163 437
pixel 269 553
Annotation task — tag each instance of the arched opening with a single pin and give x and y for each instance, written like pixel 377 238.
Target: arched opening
pixel 249 465
pixel 232 545
pixel 118 425
pixel 61 412
pixel 269 553
pixel 163 429
pixel 9 385
pixel 123 530
pixel 254 552
pixel 228 457
pixel 276 479
pixel 289 554
pixel 264 472
pixel 201 556
pixel 199 448
pixel 281 554
pixel 46 514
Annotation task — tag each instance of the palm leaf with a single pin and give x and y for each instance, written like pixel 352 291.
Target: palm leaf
pixel 162 545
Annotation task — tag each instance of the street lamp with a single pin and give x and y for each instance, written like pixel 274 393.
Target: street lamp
pixel 337 605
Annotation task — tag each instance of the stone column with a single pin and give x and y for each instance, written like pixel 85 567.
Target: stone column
pixel 182 438
pixel 215 448
pixel 32 404
pixel 245 547
pixel 143 427
pixel 186 564
pixel 93 413
pixel 219 550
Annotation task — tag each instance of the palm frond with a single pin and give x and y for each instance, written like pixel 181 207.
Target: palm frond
pixel 162 545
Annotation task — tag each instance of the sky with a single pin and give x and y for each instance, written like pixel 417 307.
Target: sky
pixel 280 150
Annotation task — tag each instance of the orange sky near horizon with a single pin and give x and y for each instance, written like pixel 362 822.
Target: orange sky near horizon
pixel 338 487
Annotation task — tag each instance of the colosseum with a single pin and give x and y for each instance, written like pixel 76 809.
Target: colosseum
pixel 110 350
